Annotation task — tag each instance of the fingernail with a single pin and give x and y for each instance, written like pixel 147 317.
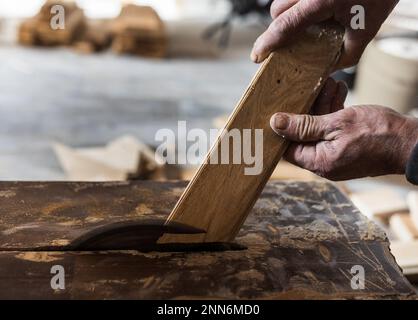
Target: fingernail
pixel 254 57
pixel 279 122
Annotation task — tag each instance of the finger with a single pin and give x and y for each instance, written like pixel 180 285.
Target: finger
pixel 353 49
pixel 303 14
pixel 323 103
pixel 301 155
pixel 339 98
pixel 299 128
pixel 280 6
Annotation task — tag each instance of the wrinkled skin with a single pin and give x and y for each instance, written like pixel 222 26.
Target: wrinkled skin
pixel 334 142
pixel 340 144
pixel 293 16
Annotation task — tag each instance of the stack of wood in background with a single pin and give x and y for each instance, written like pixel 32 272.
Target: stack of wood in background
pixel 96 38
pixel 405 228
pixel 405 225
pixel 379 204
pixel 139 30
pixel 38 30
pixel 400 215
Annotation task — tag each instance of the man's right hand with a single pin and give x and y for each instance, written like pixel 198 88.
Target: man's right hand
pixel 293 16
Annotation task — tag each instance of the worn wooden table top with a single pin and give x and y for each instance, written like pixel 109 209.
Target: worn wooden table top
pixel 303 240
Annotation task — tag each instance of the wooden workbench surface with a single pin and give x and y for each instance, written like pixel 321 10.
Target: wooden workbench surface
pixel 302 239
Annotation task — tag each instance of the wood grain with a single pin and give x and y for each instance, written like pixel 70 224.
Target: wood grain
pixel 302 240
pixel 220 196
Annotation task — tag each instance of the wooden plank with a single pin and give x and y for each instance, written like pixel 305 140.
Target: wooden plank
pixel 220 196
pixel 380 203
pixel 260 273
pixel 406 255
pixel 302 240
pixel 36 215
pixel 403 227
pixel 50 215
pixel 121 159
pixel 412 201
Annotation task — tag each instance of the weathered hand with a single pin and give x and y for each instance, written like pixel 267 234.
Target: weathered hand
pixel 293 16
pixel 348 143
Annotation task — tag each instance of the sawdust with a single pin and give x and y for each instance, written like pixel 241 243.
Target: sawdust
pixel 60 242
pixel 37 256
pixel 53 207
pixel 266 206
pixel 370 231
pixel 143 209
pixel 317 230
pixel 70 223
pixel 113 281
pixel 7 194
pixel 93 219
pixel 20 228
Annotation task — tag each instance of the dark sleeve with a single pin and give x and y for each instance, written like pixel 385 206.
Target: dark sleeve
pixel 412 167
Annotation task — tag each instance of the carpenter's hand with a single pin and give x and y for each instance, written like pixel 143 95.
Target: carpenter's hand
pixel 348 143
pixel 293 16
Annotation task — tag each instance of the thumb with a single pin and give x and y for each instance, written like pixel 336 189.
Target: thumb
pixel 299 128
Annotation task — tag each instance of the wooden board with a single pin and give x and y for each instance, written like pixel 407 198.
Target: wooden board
pixel 121 159
pixel 412 201
pixel 220 196
pixel 379 203
pixel 403 227
pixel 406 255
pixel 302 240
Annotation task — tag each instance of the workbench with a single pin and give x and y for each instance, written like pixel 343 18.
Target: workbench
pixel 301 240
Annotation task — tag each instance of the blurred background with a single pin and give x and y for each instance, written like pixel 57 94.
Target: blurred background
pixel 85 103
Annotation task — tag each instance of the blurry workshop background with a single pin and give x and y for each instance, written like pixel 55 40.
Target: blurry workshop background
pixel 85 103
